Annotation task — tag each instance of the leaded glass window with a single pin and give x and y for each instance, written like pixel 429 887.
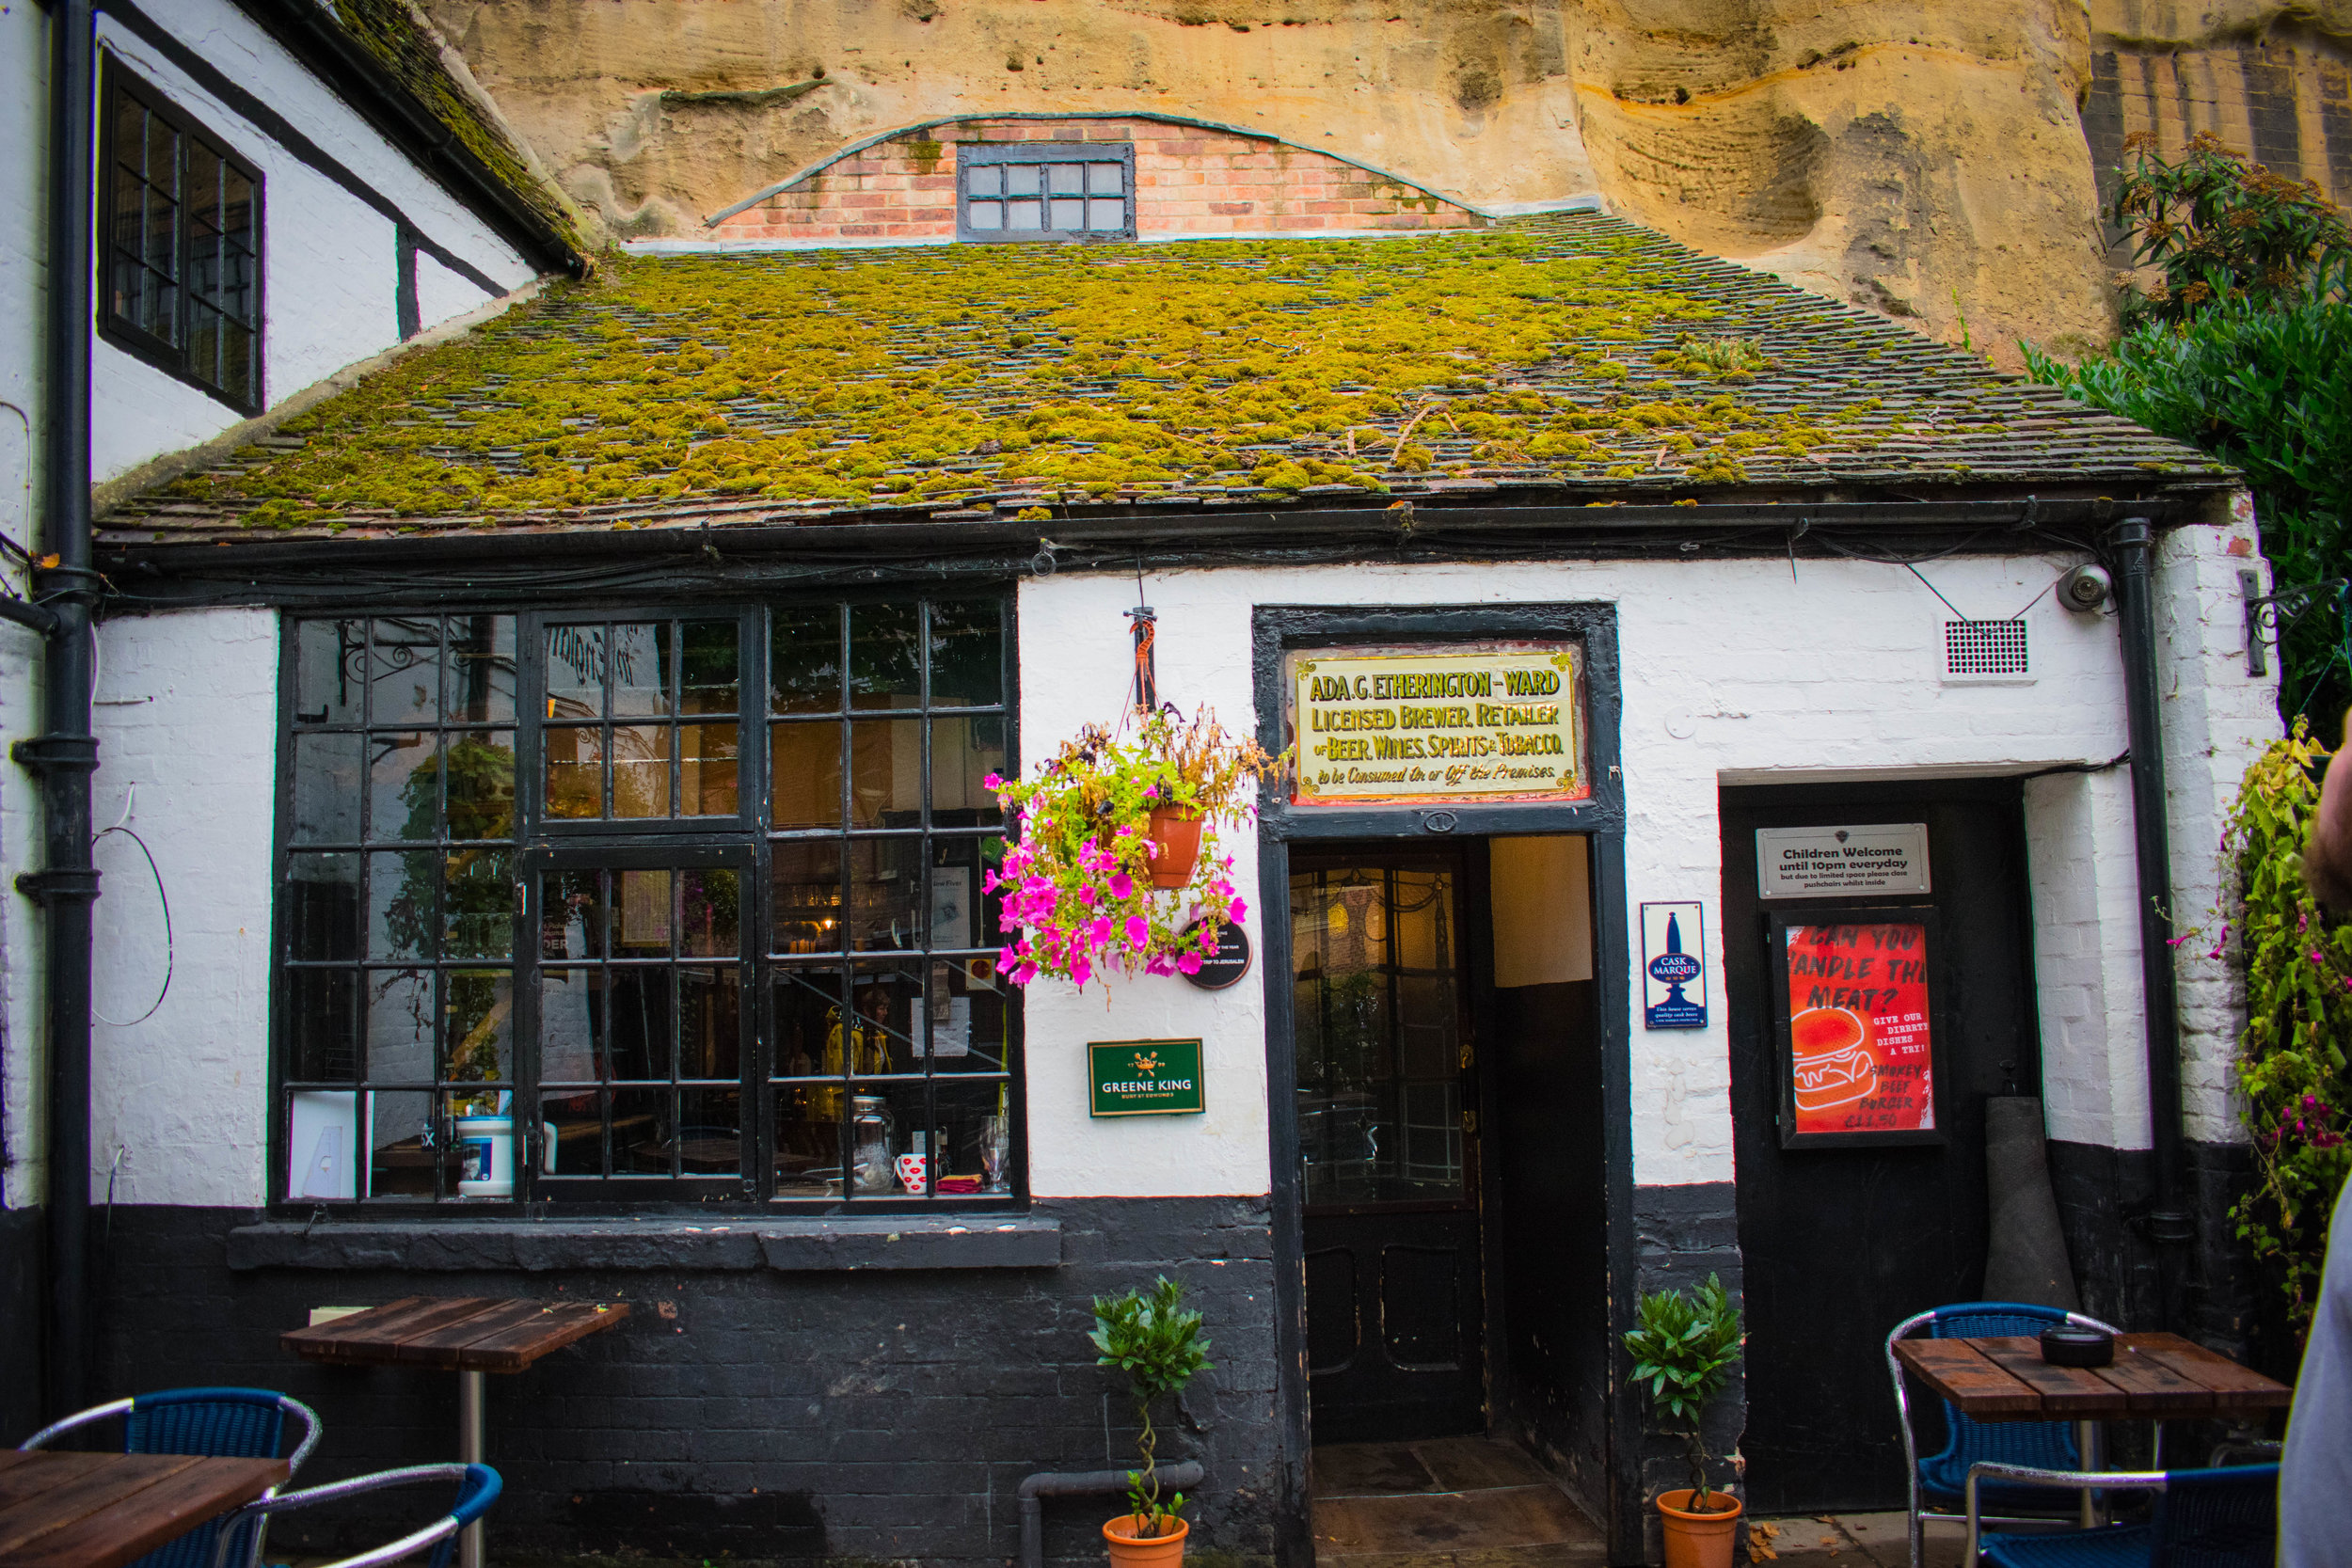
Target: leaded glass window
pixel 1045 190
pixel 535 880
pixel 180 271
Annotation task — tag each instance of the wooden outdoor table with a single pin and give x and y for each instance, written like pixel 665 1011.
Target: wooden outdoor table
pixel 103 1509
pixel 2157 1377
pixel 467 1335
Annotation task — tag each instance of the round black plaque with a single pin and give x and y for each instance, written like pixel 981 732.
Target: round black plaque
pixel 1229 963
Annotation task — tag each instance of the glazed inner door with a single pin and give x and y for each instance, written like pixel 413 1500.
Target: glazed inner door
pixel 1389 1146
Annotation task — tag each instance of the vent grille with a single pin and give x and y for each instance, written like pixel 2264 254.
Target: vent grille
pixel 1982 650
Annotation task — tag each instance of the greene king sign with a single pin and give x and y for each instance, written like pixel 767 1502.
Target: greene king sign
pixel 1476 721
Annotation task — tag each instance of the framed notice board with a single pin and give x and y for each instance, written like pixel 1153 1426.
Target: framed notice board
pixel 1858 1004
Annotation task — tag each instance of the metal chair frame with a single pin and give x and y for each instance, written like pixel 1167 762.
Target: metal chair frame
pixel 288 1406
pixel 478 1488
pixel 1916 1512
pixel 2158 1481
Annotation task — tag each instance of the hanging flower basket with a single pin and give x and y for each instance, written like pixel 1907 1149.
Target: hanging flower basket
pixel 1117 857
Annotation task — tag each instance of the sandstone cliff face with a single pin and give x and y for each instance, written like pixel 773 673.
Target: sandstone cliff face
pixel 1924 160
pixel 1936 160
pixel 2273 81
pixel 1473 96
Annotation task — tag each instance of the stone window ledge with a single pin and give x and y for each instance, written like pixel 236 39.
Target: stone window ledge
pixel 804 1245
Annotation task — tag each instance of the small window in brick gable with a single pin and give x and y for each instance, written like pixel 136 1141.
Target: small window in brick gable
pixel 1045 191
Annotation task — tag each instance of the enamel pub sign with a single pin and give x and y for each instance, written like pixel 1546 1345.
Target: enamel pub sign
pixel 1674 967
pixel 1438 722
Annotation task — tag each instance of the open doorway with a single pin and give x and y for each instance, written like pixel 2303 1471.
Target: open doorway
pixel 1448 1104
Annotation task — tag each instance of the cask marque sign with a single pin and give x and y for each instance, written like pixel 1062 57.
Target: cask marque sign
pixel 1468 721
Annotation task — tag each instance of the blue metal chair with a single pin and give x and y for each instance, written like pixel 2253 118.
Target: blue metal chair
pixel 218 1423
pixel 1938 1482
pixel 2225 1518
pixel 477 1489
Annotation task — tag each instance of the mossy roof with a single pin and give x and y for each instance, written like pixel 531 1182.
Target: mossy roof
pixel 1574 357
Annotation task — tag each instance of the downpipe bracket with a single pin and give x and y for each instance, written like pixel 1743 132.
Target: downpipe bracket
pixel 62 885
pixel 55 753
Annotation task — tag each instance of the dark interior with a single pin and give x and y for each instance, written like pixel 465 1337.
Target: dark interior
pixel 1539 1306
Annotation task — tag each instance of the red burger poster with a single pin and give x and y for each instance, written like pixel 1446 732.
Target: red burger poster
pixel 1859 1057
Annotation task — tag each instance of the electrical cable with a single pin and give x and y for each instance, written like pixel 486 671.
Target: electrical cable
pixel 162 895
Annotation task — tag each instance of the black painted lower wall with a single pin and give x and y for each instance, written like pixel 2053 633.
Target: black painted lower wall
pixel 1684 1234
pixel 2103 1195
pixel 24 1243
pixel 792 1413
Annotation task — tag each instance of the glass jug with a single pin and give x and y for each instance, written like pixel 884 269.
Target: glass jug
pixel 872 1133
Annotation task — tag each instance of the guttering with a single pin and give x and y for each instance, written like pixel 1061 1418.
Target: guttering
pixel 2169 1223
pixel 258 569
pixel 311 34
pixel 64 755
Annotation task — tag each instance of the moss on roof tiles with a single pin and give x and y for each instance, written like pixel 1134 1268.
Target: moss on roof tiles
pixel 391 31
pixel 1577 355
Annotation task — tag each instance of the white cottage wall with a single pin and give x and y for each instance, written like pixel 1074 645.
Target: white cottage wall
pixel 187 717
pixel 24 310
pixel 2217 717
pixel 330 265
pixel 1734 672
pixel 2085 887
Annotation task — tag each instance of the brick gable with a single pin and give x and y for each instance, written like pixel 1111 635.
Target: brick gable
pixel 1189 180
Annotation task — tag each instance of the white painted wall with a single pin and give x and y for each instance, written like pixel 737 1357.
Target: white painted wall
pixel 187 716
pixel 1735 673
pixel 2085 952
pixel 2086 888
pixel 330 269
pixel 2213 727
pixel 23 301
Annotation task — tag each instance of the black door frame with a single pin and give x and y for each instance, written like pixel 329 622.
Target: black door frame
pixel 1275 629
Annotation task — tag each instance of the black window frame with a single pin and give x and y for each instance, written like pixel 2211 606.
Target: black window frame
pixel 977 155
pixel 176 355
pixel 545 848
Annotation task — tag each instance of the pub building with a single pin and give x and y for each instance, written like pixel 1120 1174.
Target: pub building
pixel 1716 722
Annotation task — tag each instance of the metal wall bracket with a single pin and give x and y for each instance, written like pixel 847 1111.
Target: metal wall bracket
pixel 2267 618
pixel 56 754
pixel 2249 588
pixel 64 885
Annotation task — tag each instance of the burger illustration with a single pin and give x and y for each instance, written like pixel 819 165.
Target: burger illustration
pixel 1830 1059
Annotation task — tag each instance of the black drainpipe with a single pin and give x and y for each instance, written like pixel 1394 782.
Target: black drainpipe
pixel 64 755
pixel 2169 1223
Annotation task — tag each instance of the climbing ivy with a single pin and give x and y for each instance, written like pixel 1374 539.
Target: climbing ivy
pixel 2298 1001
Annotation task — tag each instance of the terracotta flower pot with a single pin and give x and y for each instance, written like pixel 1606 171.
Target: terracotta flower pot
pixel 1177 833
pixel 1698 1540
pixel 1131 1549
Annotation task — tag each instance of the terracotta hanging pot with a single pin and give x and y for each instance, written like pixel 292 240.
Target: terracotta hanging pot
pixel 1698 1540
pixel 1131 1549
pixel 1177 833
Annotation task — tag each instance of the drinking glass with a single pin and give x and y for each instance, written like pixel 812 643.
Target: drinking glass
pixel 995 1147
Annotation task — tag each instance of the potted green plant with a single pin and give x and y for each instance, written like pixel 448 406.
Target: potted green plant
pixel 1149 1335
pixel 1116 865
pixel 1685 1349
